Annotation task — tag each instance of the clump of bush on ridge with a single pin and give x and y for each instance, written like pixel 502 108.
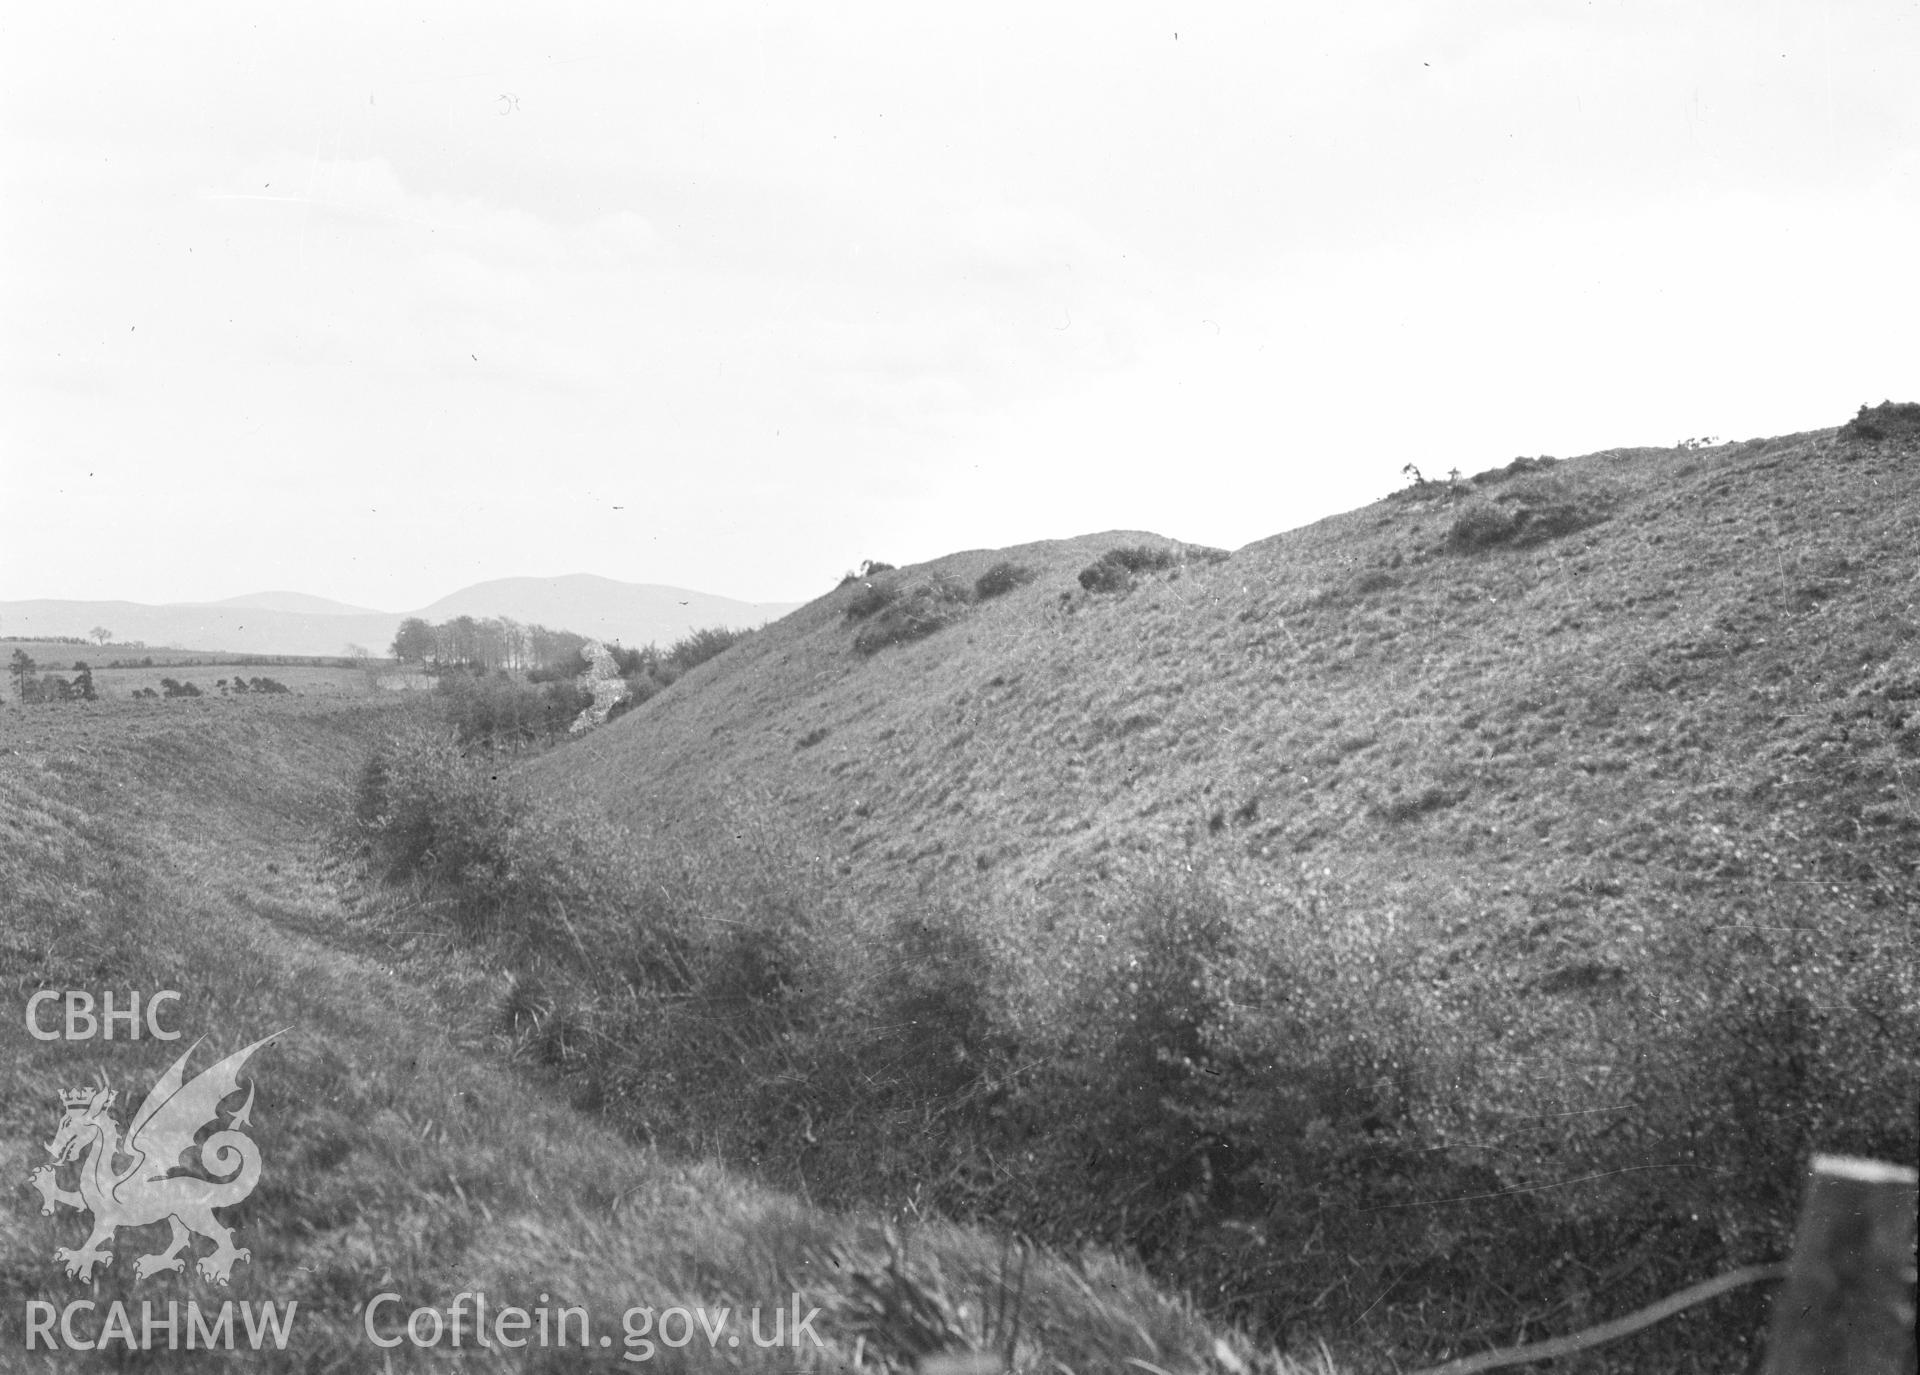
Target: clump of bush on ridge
pixel 1530 509
pixel 871 599
pixel 869 568
pixel 1888 420
pixel 910 612
pixel 1114 570
pixel 1001 579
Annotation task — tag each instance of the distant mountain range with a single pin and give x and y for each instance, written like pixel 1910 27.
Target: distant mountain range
pixel 283 622
pixel 298 602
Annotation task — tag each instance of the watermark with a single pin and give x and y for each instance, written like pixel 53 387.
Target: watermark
pixel 82 1024
pixel 83 1326
pixel 146 1189
pixel 469 1322
pixel 134 1179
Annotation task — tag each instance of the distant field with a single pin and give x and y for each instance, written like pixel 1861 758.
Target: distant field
pixel 122 670
pixel 56 652
pixel 300 681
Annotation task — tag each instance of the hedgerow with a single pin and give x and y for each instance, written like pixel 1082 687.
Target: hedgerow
pixel 501 712
pixel 560 889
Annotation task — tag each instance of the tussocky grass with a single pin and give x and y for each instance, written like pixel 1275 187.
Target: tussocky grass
pixel 404 1152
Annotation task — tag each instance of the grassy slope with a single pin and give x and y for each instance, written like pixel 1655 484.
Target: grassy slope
pixel 1556 773
pixel 186 847
pixel 1721 665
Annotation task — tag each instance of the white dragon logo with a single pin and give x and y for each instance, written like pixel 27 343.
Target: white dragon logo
pixel 148 1190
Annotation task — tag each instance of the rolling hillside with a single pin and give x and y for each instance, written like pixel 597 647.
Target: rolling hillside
pixel 1722 661
pixel 1472 906
pixel 1448 924
pixel 297 602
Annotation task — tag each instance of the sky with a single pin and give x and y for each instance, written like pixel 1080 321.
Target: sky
pixel 377 301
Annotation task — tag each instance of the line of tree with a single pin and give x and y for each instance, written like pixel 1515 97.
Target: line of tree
pixel 502 709
pixel 543 655
pixel 98 635
pixel 491 643
pixel 267 686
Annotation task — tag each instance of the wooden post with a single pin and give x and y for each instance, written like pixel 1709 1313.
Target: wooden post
pixel 1847 1307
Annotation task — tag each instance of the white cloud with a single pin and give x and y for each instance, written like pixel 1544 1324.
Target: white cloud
pixel 485 275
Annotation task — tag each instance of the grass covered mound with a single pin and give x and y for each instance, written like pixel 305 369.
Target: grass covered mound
pixel 1536 878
